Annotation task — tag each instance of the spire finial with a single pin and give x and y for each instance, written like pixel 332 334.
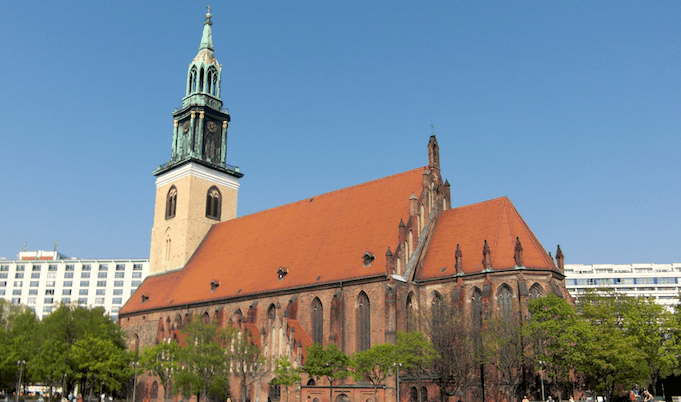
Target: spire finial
pixel 207 38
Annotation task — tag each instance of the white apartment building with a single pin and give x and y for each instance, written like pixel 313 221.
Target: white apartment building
pixel 43 279
pixel 659 281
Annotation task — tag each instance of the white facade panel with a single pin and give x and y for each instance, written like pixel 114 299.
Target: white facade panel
pixel 43 283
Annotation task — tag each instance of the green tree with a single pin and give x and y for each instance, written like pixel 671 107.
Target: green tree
pixel 100 360
pixel 204 360
pixel 19 342
pixel 416 354
pixel 61 330
pixel 285 374
pixel 375 364
pixel 558 336
pixel 655 332
pixel 161 360
pixel 612 358
pixel 329 362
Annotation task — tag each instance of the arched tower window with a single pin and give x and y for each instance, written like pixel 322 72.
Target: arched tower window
pixel 201 80
pixel 317 321
pixel 213 203
pixel 505 301
pixel 363 322
pixel 171 202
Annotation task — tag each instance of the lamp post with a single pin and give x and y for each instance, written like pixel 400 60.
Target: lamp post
pixel 134 386
pixel 63 386
pixel 256 371
pixel 541 363
pixel 397 379
pixel 21 364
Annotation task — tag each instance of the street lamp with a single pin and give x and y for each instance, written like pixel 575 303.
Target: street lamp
pixel 256 371
pixel 397 379
pixel 63 386
pixel 21 364
pixel 541 363
pixel 134 386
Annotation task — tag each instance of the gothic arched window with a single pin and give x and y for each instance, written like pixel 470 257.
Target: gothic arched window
pixel 535 291
pixel 171 202
pixel 213 203
pixel 192 81
pixel 410 313
pixel 153 393
pixel 271 314
pixel 317 321
pixel 476 307
pixel 363 322
pixel 505 300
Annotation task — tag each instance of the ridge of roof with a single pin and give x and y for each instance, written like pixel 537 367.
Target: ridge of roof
pixel 328 193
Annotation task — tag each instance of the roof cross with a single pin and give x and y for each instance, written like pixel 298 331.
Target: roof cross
pixel 208 7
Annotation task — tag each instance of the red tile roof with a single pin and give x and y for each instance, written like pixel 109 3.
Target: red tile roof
pixel 496 221
pixel 320 239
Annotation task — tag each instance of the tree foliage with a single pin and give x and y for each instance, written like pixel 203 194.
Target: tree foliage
pixel 375 364
pixel 162 361
pixel 204 360
pixel 416 354
pixel 329 362
pixel 285 374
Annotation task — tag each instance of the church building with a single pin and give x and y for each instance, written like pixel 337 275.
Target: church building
pixel 350 267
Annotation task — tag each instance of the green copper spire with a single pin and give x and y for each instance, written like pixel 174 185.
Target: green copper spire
pixel 207 38
pixel 200 124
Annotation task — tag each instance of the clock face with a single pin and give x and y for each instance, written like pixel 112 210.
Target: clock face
pixel 185 127
pixel 212 127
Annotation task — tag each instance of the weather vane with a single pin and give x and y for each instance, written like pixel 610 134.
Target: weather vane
pixel 431 127
pixel 208 7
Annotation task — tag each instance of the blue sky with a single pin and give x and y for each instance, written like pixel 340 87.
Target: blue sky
pixel 571 109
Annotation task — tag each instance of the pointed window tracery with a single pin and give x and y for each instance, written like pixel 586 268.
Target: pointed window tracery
pixel 317 321
pixel 363 322
pixel 505 300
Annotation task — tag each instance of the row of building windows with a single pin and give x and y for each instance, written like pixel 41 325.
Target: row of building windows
pixel 31 301
pixel 69 267
pixel 68 284
pixel 620 281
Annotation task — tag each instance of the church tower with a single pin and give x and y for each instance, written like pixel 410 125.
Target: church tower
pixel 196 188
